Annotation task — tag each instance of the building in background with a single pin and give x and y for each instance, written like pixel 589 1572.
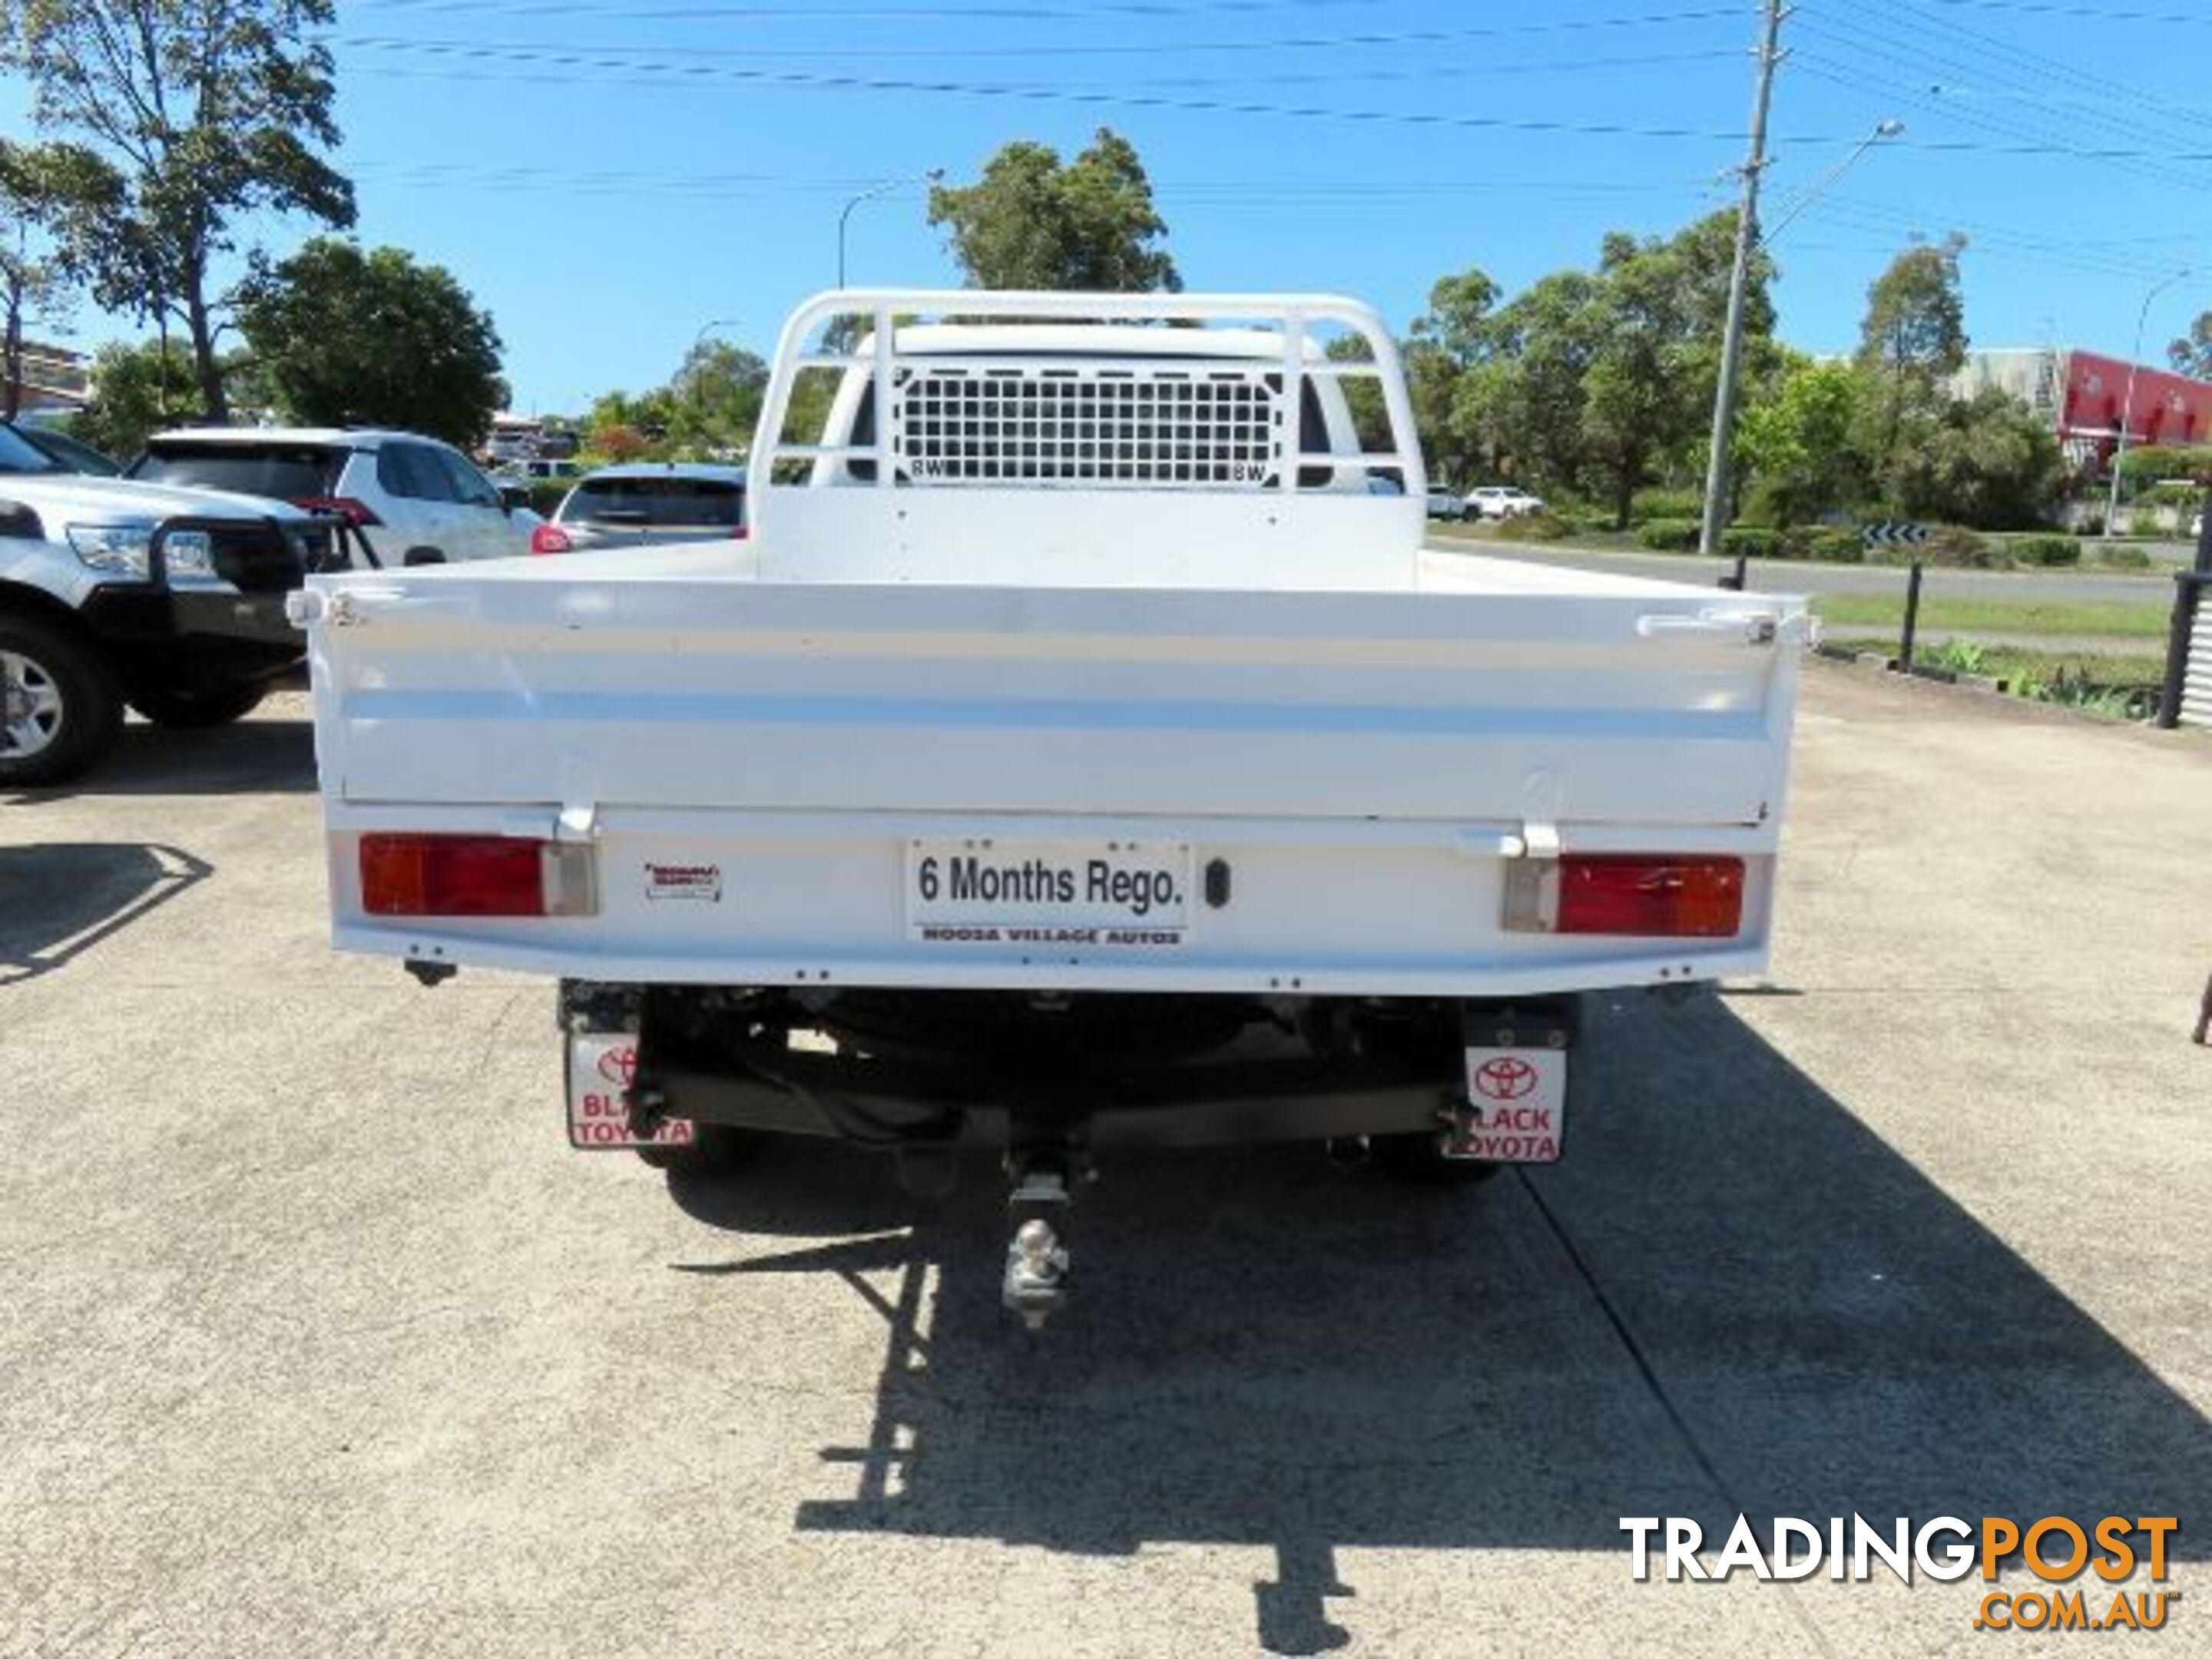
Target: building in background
pixel 54 378
pixel 2079 393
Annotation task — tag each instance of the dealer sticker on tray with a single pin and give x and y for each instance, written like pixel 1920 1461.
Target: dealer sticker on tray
pixel 1050 893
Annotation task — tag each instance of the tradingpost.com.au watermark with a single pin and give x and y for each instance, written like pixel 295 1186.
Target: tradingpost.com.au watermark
pixel 2055 1549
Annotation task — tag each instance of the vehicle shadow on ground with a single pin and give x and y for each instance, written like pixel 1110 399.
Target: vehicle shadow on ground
pixel 267 754
pixel 1732 1299
pixel 59 900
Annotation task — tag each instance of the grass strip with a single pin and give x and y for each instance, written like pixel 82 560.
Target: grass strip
pixel 2108 618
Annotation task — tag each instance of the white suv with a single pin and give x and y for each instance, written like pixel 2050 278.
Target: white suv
pixel 417 500
pixel 1499 502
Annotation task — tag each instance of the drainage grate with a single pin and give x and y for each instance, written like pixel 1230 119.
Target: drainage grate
pixel 1149 425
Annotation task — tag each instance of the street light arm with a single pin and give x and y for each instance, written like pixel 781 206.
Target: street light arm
pixel 845 213
pixel 1813 191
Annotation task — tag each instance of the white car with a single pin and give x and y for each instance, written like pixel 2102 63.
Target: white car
pixel 1444 501
pixel 415 500
pixel 112 593
pixel 1499 502
pixel 538 470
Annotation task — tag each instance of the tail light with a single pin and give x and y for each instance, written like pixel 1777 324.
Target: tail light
pixel 411 874
pixel 1627 895
pixel 354 511
pixel 549 538
pixel 741 534
pixel 1644 896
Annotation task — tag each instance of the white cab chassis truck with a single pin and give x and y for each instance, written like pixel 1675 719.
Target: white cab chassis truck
pixel 1083 750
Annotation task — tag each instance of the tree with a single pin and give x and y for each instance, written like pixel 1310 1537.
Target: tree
pixel 619 440
pixel 1659 311
pixel 2191 355
pixel 137 390
pixel 1799 442
pixel 1448 343
pixel 1586 378
pixel 1029 223
pixel 193 115
pixel 35 286
pixel 344 336
pixel 715 399
pixel 1913 339
pixel 1520 405
pixel 1986 461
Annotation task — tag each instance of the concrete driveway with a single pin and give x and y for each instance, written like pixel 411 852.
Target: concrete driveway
pixel 317 1339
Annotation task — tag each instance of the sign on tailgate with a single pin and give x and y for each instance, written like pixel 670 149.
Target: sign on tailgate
pixel 1048 893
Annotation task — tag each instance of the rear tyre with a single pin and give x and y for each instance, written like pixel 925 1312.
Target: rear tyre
pixel 193 707
pixel 714 1149
pixel 60 706
pixel 1415 1158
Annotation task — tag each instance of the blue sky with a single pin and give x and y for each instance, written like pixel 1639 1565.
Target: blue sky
pixel 610 180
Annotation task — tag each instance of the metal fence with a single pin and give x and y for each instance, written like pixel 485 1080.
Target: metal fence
pixel 2186 698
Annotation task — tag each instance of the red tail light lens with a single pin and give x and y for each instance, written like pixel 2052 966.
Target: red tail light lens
pixel 549 538
pixel 741 533
pixel 352 511
pixel 1648 896
pixel 416 875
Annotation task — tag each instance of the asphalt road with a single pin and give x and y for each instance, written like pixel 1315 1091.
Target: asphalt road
pixel 1806 577
pixel 317 1340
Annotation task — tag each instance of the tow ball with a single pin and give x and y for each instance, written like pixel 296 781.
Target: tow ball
pixel 1036 1259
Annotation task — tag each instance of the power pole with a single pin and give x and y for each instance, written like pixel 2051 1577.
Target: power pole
pixel 1746 243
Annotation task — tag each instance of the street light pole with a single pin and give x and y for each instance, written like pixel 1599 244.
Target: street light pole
pixel 1746 242
pixel 2128 401
pixel 869 194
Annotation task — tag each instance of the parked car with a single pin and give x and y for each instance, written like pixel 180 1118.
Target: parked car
pixel 1444 501
pixel 1499 502
pixel 542 469
pixel 644 503
pixel 111 592
pixel 417 500
pixel 65 452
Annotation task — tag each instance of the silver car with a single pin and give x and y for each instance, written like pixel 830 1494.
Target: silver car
pixel 646 503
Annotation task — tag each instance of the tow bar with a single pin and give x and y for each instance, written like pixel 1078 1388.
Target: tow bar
pixel 1037 1259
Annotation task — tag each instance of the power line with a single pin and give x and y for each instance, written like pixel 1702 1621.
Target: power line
pixel 1930 101
pixel 1918 59
pixel 1993 246
pixel 1988 47
pixel 1902 210
pixel 869 13
pixel 1379 77
pixel 1153 48
pixel 1262 199
pixel 2097 13
pixel 1844 74
pixel 588 69
pixel 583 68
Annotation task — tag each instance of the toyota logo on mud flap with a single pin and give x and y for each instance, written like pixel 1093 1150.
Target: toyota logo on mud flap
pixel 1502 1078
pixel 618 1066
